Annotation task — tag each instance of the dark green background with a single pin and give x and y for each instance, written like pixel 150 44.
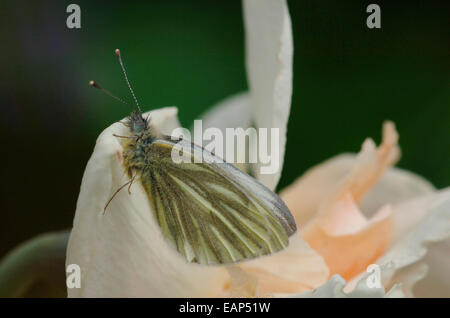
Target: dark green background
pixel 347 81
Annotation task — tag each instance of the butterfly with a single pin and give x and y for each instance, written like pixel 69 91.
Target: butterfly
pixel 208 210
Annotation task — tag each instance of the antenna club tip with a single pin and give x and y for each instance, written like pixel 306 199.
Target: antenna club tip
pixel 94 84
pixel 117 52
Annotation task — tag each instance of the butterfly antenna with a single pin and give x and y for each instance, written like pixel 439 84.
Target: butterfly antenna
pixel 117 51
pixel 95 84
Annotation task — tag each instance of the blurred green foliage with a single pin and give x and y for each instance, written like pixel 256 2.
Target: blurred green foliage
pixel 347 81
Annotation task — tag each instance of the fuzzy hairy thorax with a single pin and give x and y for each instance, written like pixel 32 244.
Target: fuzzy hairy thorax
pixel 136 147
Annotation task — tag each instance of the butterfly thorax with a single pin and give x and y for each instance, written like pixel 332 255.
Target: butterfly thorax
pixel 136 149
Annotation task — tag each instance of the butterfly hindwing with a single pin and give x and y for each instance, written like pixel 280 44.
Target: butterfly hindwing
pixel 211 212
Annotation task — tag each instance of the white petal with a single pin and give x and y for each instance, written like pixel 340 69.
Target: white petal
pixel 123 252
pixel 269 50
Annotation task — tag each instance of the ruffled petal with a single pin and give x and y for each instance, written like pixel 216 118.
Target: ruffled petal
pixel 419 224
pixel 349 244
pixel 346 239
pixel 370 165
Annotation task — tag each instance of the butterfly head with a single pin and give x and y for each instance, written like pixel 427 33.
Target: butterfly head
pixel 137 123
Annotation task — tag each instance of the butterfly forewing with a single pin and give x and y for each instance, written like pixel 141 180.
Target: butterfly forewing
pixel 211 212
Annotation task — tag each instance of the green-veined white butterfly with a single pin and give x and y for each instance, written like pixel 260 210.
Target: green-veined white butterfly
pixel 210 212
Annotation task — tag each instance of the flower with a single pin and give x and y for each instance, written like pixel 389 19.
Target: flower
pixel 123 252
pixel 404 214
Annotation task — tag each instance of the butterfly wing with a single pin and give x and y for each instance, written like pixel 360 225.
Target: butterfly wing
pixel 211 212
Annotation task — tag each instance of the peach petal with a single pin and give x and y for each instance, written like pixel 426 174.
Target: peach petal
pixel 370 165
pixel 419 224
pixel 345 238
pixel 349 244
pixel 304 196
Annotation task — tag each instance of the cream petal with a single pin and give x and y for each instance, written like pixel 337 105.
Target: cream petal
pixel 413 213
pixel 269 51
pixel 395 186
pixel 407 277
pixel 437 282
pixel 419 224
pixel 123 253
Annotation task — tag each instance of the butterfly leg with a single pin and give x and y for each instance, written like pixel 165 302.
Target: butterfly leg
pixel 115 193
pixel 131 183
pixel 119 136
